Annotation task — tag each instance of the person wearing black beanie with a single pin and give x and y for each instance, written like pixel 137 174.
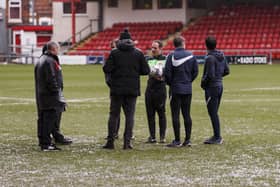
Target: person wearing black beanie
pixel 125 35
pixel 125 65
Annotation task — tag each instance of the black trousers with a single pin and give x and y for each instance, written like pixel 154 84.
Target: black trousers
pixel 127 103
pixel 46 125
pixel 181 102
pixel 213 96
pixel 155 103
pixel 57 135
pixel 117 126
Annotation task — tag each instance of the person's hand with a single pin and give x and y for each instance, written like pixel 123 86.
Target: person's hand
pixel 203 84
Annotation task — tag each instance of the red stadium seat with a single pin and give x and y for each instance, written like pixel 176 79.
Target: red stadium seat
pixel 250 28
pixel 144 32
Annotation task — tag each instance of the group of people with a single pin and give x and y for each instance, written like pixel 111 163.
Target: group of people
pixel 123 69
pixel 126 64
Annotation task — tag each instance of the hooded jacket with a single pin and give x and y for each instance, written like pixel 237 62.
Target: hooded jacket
pixel 181 69
pixel 49 83
pixel 125 65
pixel 215 68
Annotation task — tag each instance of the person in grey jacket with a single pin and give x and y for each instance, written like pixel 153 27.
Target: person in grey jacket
pixel 215 68
pixel 181 70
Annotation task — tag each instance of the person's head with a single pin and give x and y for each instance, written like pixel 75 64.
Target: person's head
pixel 125 35
pixel 113 43
pixel 156 47
pixel 52 48
pixel 179 42
pixel 210 42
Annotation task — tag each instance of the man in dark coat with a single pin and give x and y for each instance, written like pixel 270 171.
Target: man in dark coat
pixel 155 95
pixel 181 69
pixel 125 65
pixel 49 98
pixel 215 68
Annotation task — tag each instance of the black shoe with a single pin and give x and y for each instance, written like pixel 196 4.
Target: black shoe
pixel 174 144
pixel 151 140
pixel 187 143
pixel 65 141
pixel 214 140
pixel 51 147
pixel 109 145
pixel 127 146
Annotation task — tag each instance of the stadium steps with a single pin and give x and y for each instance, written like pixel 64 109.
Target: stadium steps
pixel 143 32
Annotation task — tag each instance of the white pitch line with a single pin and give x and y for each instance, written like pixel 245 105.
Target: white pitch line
pixel 11 104
pixel 17 99
pixel 30 100
pixel 25 101
pixel 95 99
pixel 261 89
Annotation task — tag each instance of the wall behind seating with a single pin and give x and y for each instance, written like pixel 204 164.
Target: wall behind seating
pixel 125 13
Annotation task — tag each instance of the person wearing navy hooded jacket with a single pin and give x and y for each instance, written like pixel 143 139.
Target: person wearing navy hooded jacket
pixel 215 68
pixel 181 70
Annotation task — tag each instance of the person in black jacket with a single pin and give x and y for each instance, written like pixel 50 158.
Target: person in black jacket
pixel 181 69
pixel 215 68
pixel 155 95
pixel 125 65
pixel 59 138
pixel 49 97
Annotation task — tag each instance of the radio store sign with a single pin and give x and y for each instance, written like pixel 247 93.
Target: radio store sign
pixel 262 59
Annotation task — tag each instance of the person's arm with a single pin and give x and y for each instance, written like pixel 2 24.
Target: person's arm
pixel 195 69
pixel 209 71
pixel 226 70
pixel 168 70
pixel 144 67
pixel 51 81
pixel 109 64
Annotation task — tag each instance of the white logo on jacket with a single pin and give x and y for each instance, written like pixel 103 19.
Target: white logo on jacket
pixel 178 62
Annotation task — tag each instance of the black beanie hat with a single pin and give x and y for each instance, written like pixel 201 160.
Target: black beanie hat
pixel 125 35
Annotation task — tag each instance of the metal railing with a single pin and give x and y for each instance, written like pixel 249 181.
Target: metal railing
pixel 29 54
pixel 81 35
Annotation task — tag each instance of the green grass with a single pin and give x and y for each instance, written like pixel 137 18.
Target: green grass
pixel 250 126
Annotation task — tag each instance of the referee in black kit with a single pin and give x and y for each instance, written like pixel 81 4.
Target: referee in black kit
pixel 155 95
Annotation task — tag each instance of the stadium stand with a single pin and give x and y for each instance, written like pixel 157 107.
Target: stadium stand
pixel 143 33
pixel 240 30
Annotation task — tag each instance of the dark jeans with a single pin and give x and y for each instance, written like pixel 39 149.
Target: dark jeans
pixel 181 102
pixel 155 102
pixel 213 96
pixel 128 105
pixel 117 127
pixel 57 135
pixel 46 124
